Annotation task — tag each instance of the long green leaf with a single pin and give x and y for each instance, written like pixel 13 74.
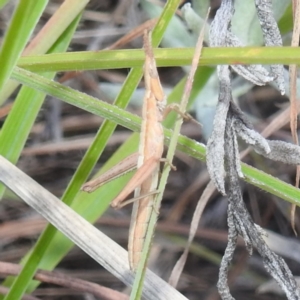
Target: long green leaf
pixel 166 57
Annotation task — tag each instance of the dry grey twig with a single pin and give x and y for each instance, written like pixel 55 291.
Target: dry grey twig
pixel 223 153
pixel 257 74
pixel 239 221
pixel 271 35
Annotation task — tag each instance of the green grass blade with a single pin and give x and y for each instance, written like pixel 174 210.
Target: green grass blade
pixel 165 57
pixel 49 34
pixel 24 19
pixel 258 178
pixel 13 136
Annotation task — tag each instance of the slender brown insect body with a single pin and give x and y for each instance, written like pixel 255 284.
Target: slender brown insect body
pixel 151 147
pixel 150 152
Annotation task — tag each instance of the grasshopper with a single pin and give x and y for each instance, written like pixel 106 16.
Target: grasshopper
pixel 149 156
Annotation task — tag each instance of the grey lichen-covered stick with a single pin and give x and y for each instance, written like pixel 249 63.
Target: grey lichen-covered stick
pixel 222 149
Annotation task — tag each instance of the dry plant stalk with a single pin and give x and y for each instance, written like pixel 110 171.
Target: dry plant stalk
pixel 65 280
pixel 151 147
pixel 178 268
pixel 293 97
